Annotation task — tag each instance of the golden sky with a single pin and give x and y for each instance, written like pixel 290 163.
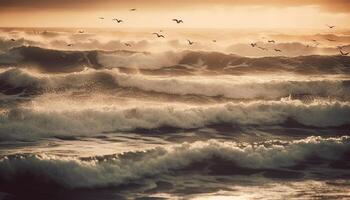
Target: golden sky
pixel 269 14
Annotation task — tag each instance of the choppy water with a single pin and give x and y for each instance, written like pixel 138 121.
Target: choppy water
pixel 97 124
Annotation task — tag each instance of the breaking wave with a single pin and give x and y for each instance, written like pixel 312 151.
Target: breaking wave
pixel 32 122
pixel 14 81
pixel 55 61
pixel 113 170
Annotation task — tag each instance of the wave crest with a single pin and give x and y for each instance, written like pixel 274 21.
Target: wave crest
pixel 121 169
pixel 49 60
pixel 22 123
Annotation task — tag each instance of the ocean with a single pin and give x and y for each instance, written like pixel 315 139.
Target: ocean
pixel 163 120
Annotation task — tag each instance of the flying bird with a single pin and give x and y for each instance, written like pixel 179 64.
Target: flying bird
pixel 158 35
pixel 101 18
pixel 253 44
pixel 343 53
pixel 330 26
pixel 13 40
pixel 331 40
pixel 178 21
pixel 118 20
pixel 271 41
pixel 81 31
pixel 190 42
pixel 214 40
pixel 127 44
pixel 278 50
pixel 262 48
pixel 133 9
pixel 69 45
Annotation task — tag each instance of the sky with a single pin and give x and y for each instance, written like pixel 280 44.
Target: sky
pixel 232 14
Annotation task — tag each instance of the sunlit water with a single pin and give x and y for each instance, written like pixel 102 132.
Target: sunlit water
pixel 173 125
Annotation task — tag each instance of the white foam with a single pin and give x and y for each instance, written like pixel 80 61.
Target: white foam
pixel 74 173
pixel 37 121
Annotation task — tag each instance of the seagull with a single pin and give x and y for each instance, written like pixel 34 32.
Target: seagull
pixel 158 35
pixel 271 41
pixel 331 40
pixel 253 44
pixel 330 26
pixel 178 21
pixel 262 48
pixel 118 20
pixel 342 53
pixel 133 9
pixel 190 42
pixel 278 50
pixel 127 44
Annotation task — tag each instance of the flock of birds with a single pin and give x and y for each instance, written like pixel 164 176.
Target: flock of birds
pixel 158 35
pixel 254 45
pixel 316 43
pixel 178 21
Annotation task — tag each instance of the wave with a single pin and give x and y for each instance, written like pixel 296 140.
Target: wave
pixel 54 61
pixel 14 81
pixel 36 122
pixel 113 170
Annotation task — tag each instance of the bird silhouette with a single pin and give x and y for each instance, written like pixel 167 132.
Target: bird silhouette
pixel 133 9
pixel 214 40
pixel 343 53
pixel 101 18
pixel 13 40
pixel 329 26
pixel 158 35
pixel 331 40
pixel 118 20
pixel 178 21
pixel 69 45
pixel 81 31
pixel 253 44
pixel 190 42
pixel 127 44
pixel 263 48
pixel 278 50
pixel 271 41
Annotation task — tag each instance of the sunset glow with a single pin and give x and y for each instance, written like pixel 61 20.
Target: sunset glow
pixel 174 99
pixel 223 14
